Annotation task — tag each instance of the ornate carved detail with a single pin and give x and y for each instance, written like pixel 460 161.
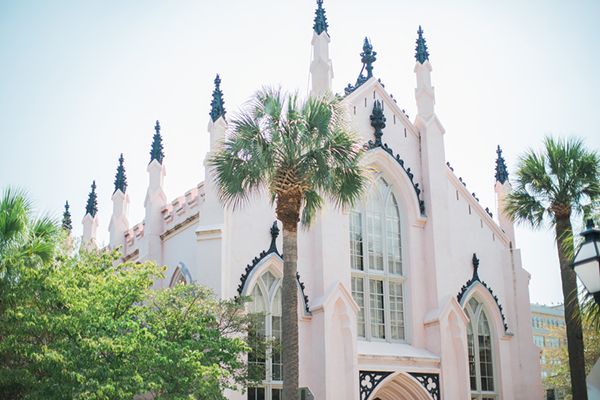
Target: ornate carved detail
pixel 156 151
pixel 92 203
pixel 474 279
pixel 320 24
pixel 374 145
pixel 501 171
pixel 217 104
pixel 263 254
pixel 378 121
pixel 368 381
pixel 368 57
pixel 120 178
pixel 67 224
pixel 431 383
pixel 421 53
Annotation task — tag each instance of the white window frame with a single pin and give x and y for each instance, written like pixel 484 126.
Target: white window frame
pixel 474 316
pixel 367 274
pixel 268 295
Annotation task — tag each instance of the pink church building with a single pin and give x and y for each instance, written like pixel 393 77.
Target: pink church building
pixel 416 293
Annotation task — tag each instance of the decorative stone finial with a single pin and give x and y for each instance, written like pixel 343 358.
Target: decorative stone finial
pixel 92 203
pixel 217 108
pixel 378 121
pixel 368 57
pixel 120 178
pixel 274 234
pixel 156 152
pixel 421 54
pixel 475 268
pixel 67 225
pixel 501 171
pixel 320 24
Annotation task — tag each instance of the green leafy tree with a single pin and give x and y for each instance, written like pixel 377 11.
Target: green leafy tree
pixel 86 326
pixel 298 152
pixel 557 359
pixel 551 186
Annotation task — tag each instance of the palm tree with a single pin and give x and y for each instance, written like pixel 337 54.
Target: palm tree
pixel 551 186
pixel 299 152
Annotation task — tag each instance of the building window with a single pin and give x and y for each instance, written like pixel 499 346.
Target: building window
pixel 481 360
pixel 264 339
pixel 538 340
pixel 376 265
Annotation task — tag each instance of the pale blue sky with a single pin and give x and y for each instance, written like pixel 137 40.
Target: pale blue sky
pixel 82 81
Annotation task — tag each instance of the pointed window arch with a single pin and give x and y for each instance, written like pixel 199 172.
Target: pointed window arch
pixel 481 353
pixel 376 265
pixel 264 338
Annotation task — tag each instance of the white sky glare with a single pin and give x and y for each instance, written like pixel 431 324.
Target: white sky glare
pixel 82 82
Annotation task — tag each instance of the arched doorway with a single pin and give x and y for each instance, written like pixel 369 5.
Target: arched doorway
pixel 402 386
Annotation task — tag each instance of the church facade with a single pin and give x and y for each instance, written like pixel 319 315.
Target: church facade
pixel 416 293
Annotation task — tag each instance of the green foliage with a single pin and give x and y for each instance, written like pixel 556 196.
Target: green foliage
pixel 564 178
pixel 86 326
pixel 557 359
pixel 291 149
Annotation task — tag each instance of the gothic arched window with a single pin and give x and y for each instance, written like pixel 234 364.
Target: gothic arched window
pixel 376 264
pixel 481 360
pixel 264 339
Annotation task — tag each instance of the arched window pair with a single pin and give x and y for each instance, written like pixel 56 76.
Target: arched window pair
pixel 264 338
pixel 376 265
pixel 481 360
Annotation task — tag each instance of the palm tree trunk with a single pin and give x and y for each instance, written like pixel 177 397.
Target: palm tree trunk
pixel 290 311
pixel 572 311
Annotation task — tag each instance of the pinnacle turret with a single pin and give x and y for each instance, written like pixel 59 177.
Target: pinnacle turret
pixel 378 121
pixel 120 178
pixel 501 171
pixel 320 24
pixel 421 53
pixel 217 105
pixel 67 224
pixel 156 152
pixel 92 203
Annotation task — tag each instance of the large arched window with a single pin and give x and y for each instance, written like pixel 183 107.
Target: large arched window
pixel 264 338
pixel 376 263
pixel 481 360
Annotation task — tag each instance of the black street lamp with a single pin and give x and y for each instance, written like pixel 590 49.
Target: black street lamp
pixel 587 260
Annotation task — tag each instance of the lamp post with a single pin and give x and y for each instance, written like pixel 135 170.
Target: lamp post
pixel 587 260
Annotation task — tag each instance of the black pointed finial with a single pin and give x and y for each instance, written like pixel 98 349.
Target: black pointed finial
pixel 368 57
pixel 156 151
pixel 475 267
pixel 421 54
pixel 320 24
pixel 378 121
pixel 274 234
pixel 120 178
pixel 501 171
pixel 92 203
pixel 217 104
pixel 67 225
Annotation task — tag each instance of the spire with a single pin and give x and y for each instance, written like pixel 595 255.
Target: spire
pixel 501 171
pixel 92 203
pixel 378 121
pixel 421 54
pixel 156 152
pixel 217 108
pixel 67 225
pixel 368 57
pixel 120 178
pixel 320 24
pixel 274 234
